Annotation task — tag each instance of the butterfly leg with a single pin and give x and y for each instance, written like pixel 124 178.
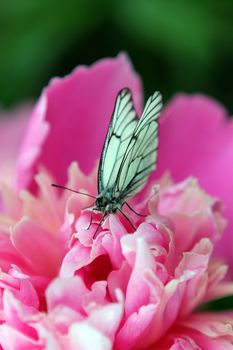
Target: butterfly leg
pixel 126 217
pixel 127 204
pixel 99 224
pixel 92 216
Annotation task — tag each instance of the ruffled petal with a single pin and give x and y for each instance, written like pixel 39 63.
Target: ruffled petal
pixel 196 139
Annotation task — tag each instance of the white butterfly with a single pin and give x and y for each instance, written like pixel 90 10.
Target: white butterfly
pixel 129 153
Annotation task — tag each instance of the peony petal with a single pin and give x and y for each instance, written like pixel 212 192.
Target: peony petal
pixel 77 109
pixel 80 256
pixel 211 324
pixel 138 292
pixel 83 336
pixel 17 314
pixel 12 126
pixel 191 270
pixel 111 242
pixel 34 138
pixel 65 292
pixel 133 333
pixel 196 139
pixel 20 286
pixel 34 244
pixel 107 318
pixel 11 338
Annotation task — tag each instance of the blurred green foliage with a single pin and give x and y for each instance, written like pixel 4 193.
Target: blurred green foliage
pixel 175 45
pixel 225 303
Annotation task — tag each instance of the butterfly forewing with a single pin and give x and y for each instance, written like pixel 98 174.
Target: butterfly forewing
pixel 123 122
pixel 141 154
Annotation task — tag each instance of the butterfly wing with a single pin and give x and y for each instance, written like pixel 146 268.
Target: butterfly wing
pixel 123 122
pixel 141 154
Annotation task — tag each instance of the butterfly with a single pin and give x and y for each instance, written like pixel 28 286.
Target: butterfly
pixel 129 154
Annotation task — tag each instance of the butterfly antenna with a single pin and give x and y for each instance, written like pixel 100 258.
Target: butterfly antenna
pixel 70 189
pixel 127 204
pixel 126 217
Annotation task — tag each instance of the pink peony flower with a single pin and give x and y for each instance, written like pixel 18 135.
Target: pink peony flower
pixel 62 289
pixel 195 134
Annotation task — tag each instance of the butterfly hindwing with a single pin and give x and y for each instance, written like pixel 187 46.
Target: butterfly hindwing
pixel 141 154
pixel 122 125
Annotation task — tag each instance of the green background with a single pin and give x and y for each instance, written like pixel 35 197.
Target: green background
pixel 175 45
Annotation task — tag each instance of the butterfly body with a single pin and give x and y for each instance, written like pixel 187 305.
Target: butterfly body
pixel 106 202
